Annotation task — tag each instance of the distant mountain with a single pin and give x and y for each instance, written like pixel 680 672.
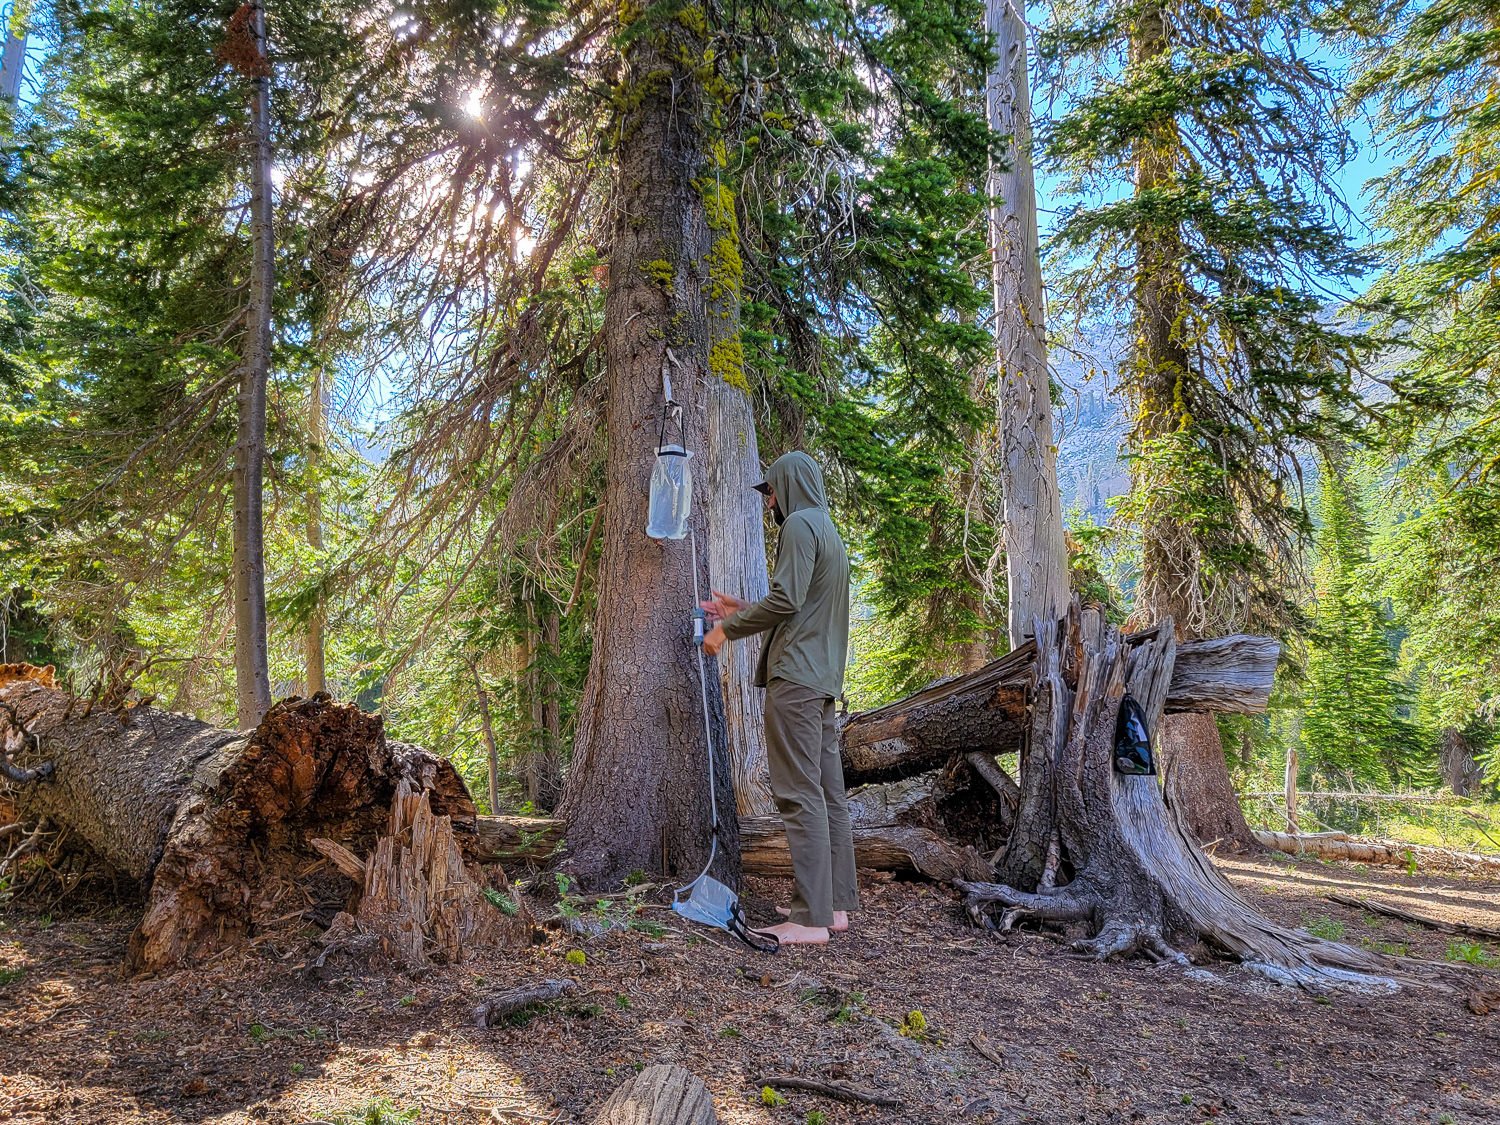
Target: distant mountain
pixel 1092 425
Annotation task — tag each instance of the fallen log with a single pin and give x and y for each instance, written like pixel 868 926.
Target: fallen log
pixel 496 1006
pixel 902 848
pixel 838 1091
pixel 217 826
pixel 987 709
pixel 1443 925
pixel 518 839
pixel 1338 845
pixel 890 847
pixel 659 1095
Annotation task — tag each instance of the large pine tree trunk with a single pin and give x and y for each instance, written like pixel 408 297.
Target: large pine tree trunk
pixel 219 826
pixel 252 676
pixel 1036 557
pixel 1101 850
pixel 1198 785
pixel 637 798
pixel 736 523
pixel 1198 777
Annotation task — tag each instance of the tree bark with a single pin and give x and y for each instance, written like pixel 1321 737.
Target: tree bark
pixel 1198 785
pixel 1126 870
pixel 252 675
pixel 218 825
pixel 1036 557
pixel 736 516
pixel 1460 771
pixel 987 709
pixel 659 1095
pixel 637 797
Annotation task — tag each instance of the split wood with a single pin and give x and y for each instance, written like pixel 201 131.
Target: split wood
pixel 838 1091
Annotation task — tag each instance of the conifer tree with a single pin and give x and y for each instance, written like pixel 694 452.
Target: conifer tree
pixel 143 219
pixel 1429 71
pixel 1223 124
pixel 1352 732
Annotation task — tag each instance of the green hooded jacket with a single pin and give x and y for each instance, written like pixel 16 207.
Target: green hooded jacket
pixel 806 614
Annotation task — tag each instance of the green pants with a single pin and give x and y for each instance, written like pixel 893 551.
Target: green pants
pixel 807 781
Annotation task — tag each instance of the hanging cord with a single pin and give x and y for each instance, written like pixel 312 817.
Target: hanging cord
pixel 708 734
pixel 735 923
pixel 670 410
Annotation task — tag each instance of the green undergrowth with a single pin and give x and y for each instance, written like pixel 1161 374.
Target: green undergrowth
pixel 376 1111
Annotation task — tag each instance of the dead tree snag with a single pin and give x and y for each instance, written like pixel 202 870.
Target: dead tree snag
pixel 1095 848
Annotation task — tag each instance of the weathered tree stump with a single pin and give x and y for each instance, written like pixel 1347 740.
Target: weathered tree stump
pixel 217 825
pixel 1093 847
pixel 659 1095
pixel 417 896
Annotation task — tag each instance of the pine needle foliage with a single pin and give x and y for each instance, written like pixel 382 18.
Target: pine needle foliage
pixel 131 176
pixel 1221 257
pixel 1353 731
pixel 1429 72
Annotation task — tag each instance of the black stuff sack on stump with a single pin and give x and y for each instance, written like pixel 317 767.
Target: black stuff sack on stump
pixel 1132 741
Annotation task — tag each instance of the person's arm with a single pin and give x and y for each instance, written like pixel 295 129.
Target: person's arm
pixel 794 567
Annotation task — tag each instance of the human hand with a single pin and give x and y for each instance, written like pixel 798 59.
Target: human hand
pixel 714 640
pixel 721 605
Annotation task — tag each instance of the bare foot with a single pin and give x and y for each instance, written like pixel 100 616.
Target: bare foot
pixel 789 933
pixel 840 918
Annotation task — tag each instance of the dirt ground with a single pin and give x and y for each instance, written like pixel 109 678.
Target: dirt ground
pixel 246 1040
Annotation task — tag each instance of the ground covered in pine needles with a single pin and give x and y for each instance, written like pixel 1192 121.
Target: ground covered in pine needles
pixel 915 1006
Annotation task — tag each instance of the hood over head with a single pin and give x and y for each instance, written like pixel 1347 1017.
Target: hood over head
pixel 797 482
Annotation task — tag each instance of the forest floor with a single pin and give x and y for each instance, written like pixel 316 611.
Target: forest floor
pixel 245 1039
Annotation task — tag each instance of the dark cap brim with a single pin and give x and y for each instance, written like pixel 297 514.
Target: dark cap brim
pixel 764 487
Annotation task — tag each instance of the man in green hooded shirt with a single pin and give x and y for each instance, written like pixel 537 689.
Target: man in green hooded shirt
pixel 806 621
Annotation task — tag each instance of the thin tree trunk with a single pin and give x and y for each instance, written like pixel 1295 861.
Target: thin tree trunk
pixel 736 520
pixel 1289 789
pixel 637 797
pixel 252 676
pixel 317 620
pixel 551 716
pixel 1197 776
pixel 528 710
pixel 487 730
pixel 14 57
pixel 1035 552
